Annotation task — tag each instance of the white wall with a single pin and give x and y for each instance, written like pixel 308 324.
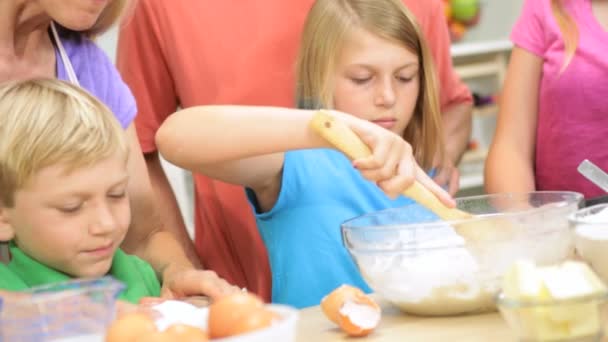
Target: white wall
pixel 497 19
pixel 179 179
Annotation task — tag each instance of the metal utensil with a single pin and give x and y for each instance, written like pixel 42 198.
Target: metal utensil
pixel 593 173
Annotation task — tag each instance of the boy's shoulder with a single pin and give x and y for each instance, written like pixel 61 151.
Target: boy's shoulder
pixel 9 280
pixel 138 276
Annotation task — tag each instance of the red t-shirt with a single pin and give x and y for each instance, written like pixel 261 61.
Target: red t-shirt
pixel 191 52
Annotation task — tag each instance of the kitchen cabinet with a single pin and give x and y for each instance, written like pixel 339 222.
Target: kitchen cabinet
pixel 482 66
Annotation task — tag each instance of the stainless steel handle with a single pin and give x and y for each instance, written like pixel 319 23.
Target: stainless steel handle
pixel 593 173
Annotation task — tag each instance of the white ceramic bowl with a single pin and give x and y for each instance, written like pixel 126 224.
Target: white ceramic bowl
pixel 284 330
pixel 180 312
pixel 590 226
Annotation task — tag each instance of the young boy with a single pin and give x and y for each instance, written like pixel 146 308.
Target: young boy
pixel 63 179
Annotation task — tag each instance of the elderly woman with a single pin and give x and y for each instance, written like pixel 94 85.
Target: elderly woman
pixel 52 38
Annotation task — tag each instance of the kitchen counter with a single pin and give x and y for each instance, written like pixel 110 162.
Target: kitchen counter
pixel 313 326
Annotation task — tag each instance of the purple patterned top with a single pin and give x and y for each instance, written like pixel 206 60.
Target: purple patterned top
pixel 98 75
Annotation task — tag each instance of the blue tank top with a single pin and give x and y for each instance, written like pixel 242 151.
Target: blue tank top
pixel 320 189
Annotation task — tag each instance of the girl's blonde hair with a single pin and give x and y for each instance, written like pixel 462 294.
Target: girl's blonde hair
pixel 328 24
pixel 44 122
pixel 568 28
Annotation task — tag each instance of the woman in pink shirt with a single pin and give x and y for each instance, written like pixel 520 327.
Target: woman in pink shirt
pixel 554 109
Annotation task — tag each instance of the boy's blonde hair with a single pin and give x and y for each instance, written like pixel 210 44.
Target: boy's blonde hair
pixel 44 122
pixel 328 24
pixel 568 28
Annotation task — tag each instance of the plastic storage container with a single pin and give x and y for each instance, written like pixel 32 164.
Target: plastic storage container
pixel 76 310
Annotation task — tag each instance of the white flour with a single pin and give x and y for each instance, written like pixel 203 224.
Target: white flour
pixel 441 279
pixel 591 239
pixel 437 273
pixel 594 226
pixel 178 312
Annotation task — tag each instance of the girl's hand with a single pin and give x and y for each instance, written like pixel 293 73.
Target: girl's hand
pixel 392 165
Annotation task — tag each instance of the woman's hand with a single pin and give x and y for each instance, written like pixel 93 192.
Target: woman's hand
pixel 392 165
pixel 181 282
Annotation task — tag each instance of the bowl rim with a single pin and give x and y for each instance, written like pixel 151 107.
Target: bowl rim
pixel 510 303
pixel 289 318
pixel 577 217
pixel 573 197
pixel 49 293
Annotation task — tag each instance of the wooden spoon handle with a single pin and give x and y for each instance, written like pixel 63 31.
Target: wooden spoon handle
pixel 344 139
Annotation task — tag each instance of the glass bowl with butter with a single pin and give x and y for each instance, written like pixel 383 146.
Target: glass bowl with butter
pixel 565 302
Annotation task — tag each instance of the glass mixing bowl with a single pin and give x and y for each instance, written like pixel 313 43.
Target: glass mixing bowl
pixel 422 265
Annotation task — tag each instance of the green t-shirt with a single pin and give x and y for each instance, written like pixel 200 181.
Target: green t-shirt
pixel 23 272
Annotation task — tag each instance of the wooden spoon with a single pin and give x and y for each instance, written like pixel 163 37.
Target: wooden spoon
pixel 345 140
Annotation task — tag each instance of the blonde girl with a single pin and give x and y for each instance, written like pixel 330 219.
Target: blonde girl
pixel 361 57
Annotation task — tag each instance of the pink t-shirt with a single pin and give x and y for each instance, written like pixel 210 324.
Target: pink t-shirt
pixel 573 105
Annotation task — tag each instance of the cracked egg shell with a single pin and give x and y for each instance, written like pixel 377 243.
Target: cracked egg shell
pixel 352 310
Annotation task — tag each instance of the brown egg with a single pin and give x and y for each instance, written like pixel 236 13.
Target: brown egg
pixel 331 303
pixel 355 313
pixel 186 333
pixel 227 313
pixel 157 336
pixel 130 327
pixel 257 319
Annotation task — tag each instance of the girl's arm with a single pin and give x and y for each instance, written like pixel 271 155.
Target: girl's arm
pixel 237 144
pixel 245 145
pixel 241 145
pixel 510 163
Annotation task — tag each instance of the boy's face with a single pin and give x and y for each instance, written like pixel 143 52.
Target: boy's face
pixel 376 80
pixel 73 222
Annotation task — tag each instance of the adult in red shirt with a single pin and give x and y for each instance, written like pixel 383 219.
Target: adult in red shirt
pixel 191 52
